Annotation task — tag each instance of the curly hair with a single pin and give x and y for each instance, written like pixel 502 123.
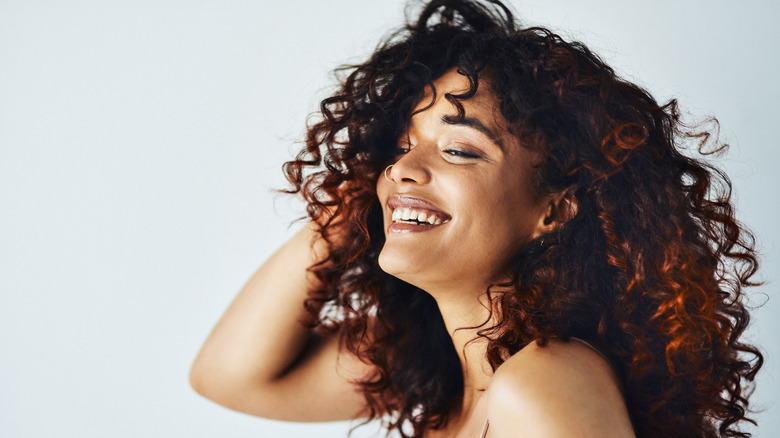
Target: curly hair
pixel 651 269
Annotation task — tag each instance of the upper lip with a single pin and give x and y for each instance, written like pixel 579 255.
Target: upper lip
pixel 405 201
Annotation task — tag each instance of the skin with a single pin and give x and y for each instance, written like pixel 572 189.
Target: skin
pixel 473 177
pixel 261 361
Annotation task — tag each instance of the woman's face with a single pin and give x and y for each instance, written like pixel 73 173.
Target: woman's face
pixel 458 202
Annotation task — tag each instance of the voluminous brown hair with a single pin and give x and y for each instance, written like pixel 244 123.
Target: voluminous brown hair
pixel 651 269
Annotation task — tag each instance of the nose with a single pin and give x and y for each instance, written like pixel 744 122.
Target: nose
pixel 412 168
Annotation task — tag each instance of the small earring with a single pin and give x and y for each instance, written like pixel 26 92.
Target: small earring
pixel 385 172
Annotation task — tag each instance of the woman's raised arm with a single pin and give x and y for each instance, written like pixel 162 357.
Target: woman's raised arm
pixel 260 359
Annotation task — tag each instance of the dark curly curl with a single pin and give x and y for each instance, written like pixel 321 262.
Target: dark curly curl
pixel 651 269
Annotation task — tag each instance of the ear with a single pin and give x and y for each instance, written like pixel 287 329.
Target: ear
pixel 562 206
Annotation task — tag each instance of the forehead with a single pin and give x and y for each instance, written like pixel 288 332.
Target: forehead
pixel 480 111
pixel 455 84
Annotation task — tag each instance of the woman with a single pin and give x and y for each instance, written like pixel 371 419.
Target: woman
pixel 505 240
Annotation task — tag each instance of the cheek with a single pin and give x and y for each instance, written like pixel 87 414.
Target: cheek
pixel 382 189
pixel 516 215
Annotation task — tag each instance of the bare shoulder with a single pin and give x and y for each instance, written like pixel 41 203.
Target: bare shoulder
pixel 564 389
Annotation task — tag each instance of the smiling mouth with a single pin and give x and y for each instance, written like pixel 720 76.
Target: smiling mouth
pixel 409 214
pixel 416 216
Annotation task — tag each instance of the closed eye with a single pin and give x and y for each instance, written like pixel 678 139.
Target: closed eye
pixel 461 154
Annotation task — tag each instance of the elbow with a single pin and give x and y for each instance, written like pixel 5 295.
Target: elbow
pixel 199 379
pixel 211 380
pixel 212 385
pixel 228 387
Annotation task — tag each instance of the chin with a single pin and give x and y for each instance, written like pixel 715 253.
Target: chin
pixel 390 263
pixel 397 265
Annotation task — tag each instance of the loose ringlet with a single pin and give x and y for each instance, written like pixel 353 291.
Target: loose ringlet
pixel 639 250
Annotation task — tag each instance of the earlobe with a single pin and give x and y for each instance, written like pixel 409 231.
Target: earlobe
pixel 549 217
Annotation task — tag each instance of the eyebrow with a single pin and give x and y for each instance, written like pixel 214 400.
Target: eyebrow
pixel 473 123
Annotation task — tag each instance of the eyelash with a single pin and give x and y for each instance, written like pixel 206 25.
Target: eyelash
pixel 404 149
pixel 462 154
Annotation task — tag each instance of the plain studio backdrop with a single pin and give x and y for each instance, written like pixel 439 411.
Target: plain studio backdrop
pixel 141 143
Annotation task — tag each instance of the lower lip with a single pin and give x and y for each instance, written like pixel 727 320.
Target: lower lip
pixel 398 227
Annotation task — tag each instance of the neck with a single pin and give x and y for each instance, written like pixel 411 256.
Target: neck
pixel 464 315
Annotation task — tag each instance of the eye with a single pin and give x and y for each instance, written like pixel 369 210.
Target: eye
pixel 461 153
pixel 403 148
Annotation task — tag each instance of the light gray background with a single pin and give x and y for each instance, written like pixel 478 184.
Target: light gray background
pixel 140 142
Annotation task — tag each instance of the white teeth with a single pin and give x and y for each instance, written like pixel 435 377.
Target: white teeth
pixel 407 215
